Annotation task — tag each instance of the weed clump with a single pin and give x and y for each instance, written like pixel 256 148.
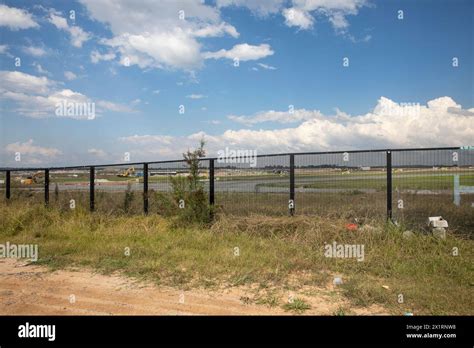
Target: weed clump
pixel 297 305
pixel 128 199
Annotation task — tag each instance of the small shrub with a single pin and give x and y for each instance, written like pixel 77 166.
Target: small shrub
pixel 298 306
pixel 165 204
pixel 128 199
pixel 191 190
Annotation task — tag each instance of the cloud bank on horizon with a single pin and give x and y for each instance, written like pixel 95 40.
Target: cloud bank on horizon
pixel 389 125
pixel 163 74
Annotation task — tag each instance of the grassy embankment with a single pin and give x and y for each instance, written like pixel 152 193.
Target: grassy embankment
pixel 277 254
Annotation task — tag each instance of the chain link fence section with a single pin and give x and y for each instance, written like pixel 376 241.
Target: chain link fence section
pixel 166 183
pixel 258 187
pixel 434 183
pixel 325 183
pixel 405 185
pixel 27 186
pixel 69 189
pixel 119 189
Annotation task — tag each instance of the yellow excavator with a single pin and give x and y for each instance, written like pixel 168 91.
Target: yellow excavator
pixel 35 178
pixel 130 172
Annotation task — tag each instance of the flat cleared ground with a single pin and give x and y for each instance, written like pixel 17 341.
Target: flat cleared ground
pixel 35 290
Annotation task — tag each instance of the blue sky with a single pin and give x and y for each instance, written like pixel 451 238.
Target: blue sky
pixel 400 88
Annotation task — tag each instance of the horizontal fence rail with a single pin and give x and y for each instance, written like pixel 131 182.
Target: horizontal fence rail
pixel 403 185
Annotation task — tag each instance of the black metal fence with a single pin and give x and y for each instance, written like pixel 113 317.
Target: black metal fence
pixel 405 185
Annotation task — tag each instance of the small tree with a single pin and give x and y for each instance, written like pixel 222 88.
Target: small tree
pixel 191 190
pixel 192 159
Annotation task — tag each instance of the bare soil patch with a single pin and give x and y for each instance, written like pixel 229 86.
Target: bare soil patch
pixel 27 289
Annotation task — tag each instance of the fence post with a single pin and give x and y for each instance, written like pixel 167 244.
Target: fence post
pixel 389 185
pixel 91 188
pixel 211 184
pixel 7 184
pixel 291 204
pixel 46 186
pixel 145 188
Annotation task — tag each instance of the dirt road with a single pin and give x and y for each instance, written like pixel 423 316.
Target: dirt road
pixel 35 290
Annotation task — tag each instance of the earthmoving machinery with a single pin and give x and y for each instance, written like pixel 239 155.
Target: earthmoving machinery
pixel 129 173
pixel 32 179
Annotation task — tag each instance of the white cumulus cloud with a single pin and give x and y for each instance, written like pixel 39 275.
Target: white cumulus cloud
pixel 39 97
pixel 441 122
pixel 217 30
pixel 295 17
pixel 159 34
pixel 96 56
pixel 34 51
pixel 15 18
pixel 29 149
pixel 174 49
pixel 69 75
pixel 16 81
pixel 78 36
pixel 40 69
pixel 302 13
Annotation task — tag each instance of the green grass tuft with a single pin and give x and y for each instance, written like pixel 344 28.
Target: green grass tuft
pixel 297 305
